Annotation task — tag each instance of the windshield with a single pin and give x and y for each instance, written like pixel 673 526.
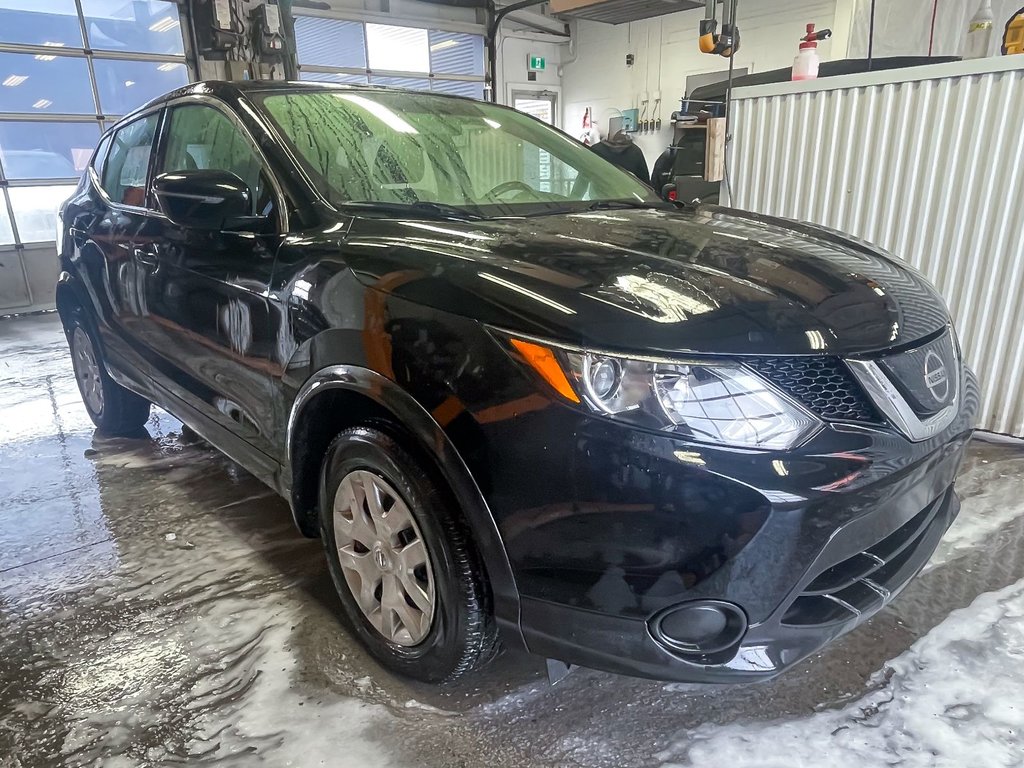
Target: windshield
pixel 395 148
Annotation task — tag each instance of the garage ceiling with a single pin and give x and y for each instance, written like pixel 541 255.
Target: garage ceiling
pixel 621 11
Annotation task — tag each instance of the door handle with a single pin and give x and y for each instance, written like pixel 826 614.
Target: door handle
pixel 147 257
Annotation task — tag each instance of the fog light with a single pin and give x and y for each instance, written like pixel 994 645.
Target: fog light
pixel 701 628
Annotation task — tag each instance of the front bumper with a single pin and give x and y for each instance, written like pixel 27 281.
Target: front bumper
pixel 789 635
pixel 806 558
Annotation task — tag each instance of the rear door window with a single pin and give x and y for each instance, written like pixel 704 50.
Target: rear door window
pixel 126 168
pixel 99 158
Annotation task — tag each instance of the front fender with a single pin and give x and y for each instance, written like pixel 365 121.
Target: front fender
pixel 433 440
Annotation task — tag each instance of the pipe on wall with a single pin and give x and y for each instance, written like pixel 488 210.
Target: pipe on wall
pixel 495 17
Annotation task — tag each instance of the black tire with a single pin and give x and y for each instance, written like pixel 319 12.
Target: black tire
pixel 463 634
pixel 113 409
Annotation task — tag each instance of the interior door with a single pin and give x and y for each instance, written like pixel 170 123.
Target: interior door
pixel 206 301
pixel 538 166
pixel 540 104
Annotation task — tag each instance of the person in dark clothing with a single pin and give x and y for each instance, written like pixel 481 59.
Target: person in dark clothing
pixel 621 151
pixel 664 170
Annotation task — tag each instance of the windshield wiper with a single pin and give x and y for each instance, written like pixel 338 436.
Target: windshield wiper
pixel 420 208
pixel 610 205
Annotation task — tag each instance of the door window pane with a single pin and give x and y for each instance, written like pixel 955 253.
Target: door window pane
pixel 330 42
pixel 542 109
pixel 403 49
pixel 202 137
pixel 30 150
pixel 127 165
pixel 125 85
pixel 455 53
pixel 61 85
pixel 40 22
pixel 6 233
pixel 332 77
pixel 459 88
pixel 35 210
pixel 144 26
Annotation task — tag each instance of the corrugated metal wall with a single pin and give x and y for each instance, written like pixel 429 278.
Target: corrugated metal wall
pixel 930 168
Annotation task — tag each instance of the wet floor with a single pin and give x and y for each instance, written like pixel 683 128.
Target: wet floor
pixel 157 608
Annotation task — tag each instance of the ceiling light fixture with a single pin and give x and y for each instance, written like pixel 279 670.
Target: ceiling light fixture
pixel 43 57
pixel 42 104
pixel 444 44
pixel 168 67
pixel 13 81
pixel 129 83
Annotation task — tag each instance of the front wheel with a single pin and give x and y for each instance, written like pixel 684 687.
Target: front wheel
pixel 112 408
pixel 409 578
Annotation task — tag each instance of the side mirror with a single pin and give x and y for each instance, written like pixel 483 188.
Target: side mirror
pixel 202 199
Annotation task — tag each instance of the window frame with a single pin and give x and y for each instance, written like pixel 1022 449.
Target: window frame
pixel 281 217
pixel 106 121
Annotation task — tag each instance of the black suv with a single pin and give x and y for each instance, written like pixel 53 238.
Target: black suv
pixel 514 392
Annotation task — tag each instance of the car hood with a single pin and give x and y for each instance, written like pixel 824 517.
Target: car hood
pixel 713 280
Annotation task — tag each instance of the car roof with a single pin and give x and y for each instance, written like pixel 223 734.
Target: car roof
pixel 229 90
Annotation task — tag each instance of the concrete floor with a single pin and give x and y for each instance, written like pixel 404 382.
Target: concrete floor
pixel 157 608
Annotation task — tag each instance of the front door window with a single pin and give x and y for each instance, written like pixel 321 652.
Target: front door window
pixel 202 138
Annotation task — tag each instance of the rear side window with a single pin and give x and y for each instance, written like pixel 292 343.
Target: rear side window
pixel 99 158
pixel 204 138
pixel 126 166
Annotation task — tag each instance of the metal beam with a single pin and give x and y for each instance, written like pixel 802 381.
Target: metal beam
pixel 540 22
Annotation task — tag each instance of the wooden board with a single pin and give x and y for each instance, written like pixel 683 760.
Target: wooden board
pixel 714 159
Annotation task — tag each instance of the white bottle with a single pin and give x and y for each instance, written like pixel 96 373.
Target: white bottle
pixel 807 62
pixel 979 32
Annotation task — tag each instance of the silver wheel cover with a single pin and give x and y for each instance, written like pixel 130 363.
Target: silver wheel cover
pixel 87 370
pixel 384 558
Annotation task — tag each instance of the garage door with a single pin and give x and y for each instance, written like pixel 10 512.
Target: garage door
pixel 67 70
pixel 341 51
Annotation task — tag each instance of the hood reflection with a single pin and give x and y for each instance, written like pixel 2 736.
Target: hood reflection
pixel 659 297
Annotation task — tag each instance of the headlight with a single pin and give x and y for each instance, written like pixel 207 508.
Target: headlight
pixel 722 403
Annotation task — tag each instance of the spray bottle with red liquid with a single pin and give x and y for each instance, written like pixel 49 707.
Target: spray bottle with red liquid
pixel 806 63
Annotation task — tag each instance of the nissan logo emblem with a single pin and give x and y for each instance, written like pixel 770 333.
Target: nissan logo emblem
pixel 935 377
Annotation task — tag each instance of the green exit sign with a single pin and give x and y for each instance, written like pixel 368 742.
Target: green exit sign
pixel 537 63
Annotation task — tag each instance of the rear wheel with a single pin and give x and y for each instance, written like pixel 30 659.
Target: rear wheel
pixel 112 408
pixel 409 578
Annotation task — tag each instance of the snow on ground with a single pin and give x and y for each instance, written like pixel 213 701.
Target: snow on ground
pixel 953 700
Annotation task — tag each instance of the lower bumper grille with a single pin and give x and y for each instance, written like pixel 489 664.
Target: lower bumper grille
pixel 864 583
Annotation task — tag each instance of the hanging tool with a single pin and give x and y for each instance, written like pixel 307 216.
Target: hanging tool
pixel 726 42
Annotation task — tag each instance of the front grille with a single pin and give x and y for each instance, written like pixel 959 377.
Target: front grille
pixel 864 582
pixel 927 376
pixel 822 384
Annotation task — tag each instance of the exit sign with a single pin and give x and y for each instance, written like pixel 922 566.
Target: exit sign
pixel 537 63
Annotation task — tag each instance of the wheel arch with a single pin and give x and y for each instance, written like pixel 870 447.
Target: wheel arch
pixel 72 302
pixel 361 395
pixel 68 299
